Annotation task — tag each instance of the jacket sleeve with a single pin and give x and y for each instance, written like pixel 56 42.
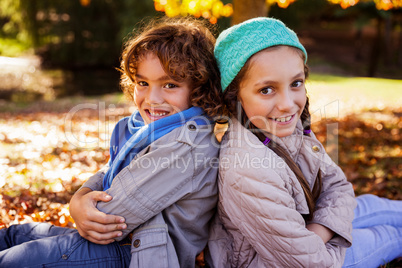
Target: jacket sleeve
pixel 151 183
pixel 95 182
pixel 335 205
pixel 334 208
pixel 261 206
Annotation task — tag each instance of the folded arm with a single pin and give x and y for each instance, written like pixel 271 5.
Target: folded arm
pixel 151 183
pixel 92 224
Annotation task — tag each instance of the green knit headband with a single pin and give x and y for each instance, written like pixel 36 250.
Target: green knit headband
pixel 238 43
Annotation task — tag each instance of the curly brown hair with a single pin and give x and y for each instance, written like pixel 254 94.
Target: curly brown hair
pixel 185 49
pixel 232 102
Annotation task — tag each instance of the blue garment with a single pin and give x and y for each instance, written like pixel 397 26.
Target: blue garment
pixel 45 245
pixel 131 135
pixel 377 232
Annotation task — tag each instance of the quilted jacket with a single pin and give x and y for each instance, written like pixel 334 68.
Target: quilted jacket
pixel 259 221
pixel 167 195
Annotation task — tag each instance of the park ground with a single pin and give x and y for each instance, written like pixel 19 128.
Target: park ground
pixel 50 146
pixel 48 149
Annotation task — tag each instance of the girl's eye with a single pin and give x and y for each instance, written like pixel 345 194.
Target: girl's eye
pixel 297 83
pixel 170 85
pixel 142 83
pixel 266 91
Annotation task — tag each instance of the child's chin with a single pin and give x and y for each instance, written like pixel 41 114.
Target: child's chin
pixel 284 133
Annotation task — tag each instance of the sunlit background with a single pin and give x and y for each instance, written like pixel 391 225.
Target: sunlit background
pixel 52 49
pixel 60 97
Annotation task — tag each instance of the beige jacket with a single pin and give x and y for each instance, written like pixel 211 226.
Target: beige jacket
pixel 259 222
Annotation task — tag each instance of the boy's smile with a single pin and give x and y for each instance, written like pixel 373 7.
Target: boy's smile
pixel 272 91
pixel 156 94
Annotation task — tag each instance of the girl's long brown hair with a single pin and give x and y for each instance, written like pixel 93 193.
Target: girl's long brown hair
pixel 231 100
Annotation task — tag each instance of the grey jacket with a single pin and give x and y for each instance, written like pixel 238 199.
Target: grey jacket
pixel 168 196
pixel 259 222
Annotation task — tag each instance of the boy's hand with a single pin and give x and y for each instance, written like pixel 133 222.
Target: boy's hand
pixel 92 224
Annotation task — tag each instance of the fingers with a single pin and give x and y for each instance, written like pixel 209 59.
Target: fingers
pixel 99 226
pixel 106 228
pixel 103 218
pixel 101 234
pixel 99 238
pixel 100 196
pixel 92 224
pixel 94 214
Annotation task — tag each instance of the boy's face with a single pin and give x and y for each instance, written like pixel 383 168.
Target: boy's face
pixel 272 91
pixel 156 94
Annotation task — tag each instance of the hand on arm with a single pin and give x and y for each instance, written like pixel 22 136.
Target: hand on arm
pixel 92 224
pixel 320 230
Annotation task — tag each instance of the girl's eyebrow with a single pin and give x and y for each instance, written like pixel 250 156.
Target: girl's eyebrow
pixel 162 78
pixel 264 82
pixel 299 75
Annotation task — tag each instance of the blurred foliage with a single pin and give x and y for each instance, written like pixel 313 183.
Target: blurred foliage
pixel 85 33
pixel 48 151
pixel 380 4
pixel 374 34
pixel 72 34
pixel 211 10
pixel 46 156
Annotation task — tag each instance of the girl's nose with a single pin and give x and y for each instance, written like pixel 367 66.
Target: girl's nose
pixel 285 100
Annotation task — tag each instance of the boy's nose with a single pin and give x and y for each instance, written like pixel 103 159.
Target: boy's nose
pixel 154 96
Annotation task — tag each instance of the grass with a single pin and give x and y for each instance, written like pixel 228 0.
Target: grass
pixel 336 96
pixel 12 47
pixel 330 96
pixel 64 104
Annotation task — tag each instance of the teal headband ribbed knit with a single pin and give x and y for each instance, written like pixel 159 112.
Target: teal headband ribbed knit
pixel 238 43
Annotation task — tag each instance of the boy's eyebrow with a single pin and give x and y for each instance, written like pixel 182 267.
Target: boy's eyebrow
pixel 162 78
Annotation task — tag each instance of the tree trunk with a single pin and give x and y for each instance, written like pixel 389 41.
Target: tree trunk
pixel 247 9
pixel 399 48
pixel 376 49
pixel 388 40
pixel 30 9
pixel 358 44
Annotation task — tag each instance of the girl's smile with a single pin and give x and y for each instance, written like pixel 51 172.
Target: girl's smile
pixel 272 91
pixel 283 120
pixel 156 94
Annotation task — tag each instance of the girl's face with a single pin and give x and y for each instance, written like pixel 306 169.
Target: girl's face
pixel 156 94
pixel 272 91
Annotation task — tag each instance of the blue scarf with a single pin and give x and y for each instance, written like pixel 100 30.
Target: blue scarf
pixel 131 135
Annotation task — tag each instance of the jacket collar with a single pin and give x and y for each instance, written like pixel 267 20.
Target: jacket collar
pixel 292 144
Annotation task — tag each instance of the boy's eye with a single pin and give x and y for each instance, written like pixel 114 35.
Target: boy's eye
pixel 297 83
pixel 142 83
pixel 170 85
pixel 266 91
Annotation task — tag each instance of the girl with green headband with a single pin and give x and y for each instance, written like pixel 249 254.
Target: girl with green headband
pixel 282 201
